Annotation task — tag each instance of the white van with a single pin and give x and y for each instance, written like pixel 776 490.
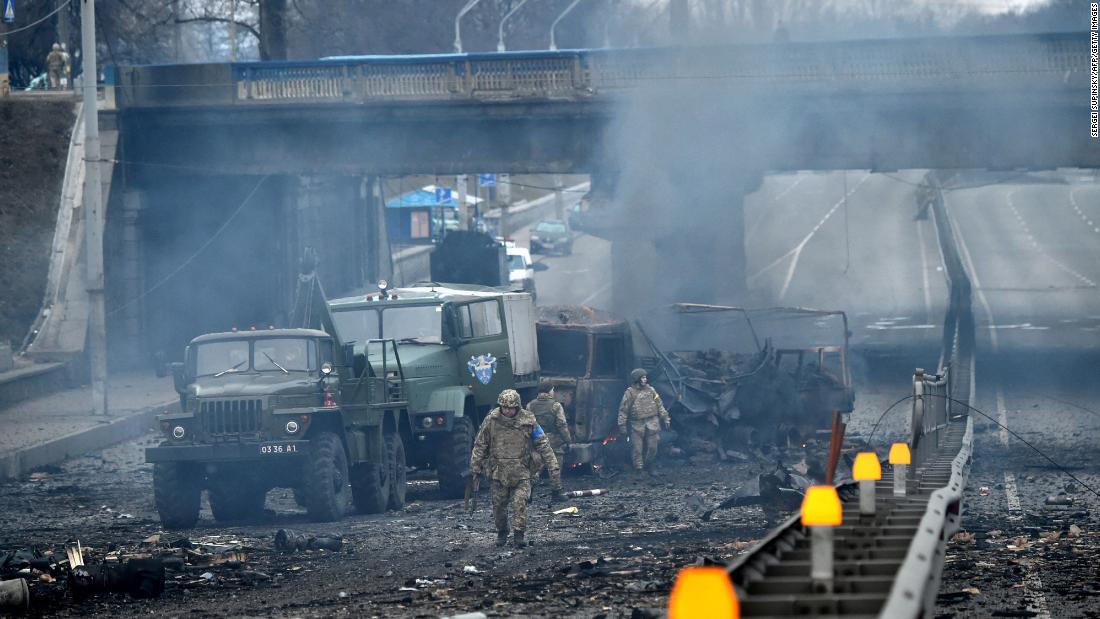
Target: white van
pixel 521 272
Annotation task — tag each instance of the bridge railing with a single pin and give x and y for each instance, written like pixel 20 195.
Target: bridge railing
pixel 893 66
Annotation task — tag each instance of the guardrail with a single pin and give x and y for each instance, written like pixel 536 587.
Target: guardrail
pixel 1053 61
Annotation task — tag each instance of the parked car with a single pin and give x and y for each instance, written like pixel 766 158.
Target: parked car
pixel 552 235
pixel 521 271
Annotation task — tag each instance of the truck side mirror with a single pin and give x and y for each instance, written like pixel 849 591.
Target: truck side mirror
pixel 179 376
pixel 349 354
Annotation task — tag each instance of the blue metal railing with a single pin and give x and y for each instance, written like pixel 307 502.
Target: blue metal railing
pixel 1051 61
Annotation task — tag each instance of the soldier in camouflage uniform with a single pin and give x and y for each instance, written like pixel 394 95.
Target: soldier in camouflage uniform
pixel 503 451
pixel 551 418
pixel 642 407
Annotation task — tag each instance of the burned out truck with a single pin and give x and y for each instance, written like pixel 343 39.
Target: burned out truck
pixel 729 376
pixel 587 355
pixel 330 407
pixel 751 376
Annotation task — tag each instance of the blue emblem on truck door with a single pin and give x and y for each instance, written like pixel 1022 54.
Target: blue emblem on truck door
pixel 482 367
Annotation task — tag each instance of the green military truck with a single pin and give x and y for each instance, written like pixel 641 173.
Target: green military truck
pixel 330 408
pixel 458 347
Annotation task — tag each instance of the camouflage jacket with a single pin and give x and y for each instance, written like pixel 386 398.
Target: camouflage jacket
pixel 551 417
pixel 640 404
pixel 503 448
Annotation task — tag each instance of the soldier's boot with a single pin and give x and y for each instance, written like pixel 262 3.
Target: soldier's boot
pixel 518 540
pixel 502 537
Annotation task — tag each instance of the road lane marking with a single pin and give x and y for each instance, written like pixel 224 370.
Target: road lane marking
pixel 1031 579
pixel 1027 230
pixel 796 252
pixel 1035 585
pixel 1011 493
pixel 1002 418
pixel 760 218
pixel 598 292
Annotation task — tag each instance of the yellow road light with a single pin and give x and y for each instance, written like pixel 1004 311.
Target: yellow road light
pixel 703 592
pixel 899 454
pixel 821 507
pixel 866 467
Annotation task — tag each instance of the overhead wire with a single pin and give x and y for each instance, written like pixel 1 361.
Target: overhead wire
pixel 40 20
pixel 196 253
pixel 970 407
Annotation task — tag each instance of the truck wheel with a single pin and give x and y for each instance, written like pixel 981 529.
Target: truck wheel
pixel 326 478
pixel 453 458
pixel 395 455
pixel 177 491
pixel 370 489
pixel 236 501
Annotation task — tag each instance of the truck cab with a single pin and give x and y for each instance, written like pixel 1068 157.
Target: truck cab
pixel 459 347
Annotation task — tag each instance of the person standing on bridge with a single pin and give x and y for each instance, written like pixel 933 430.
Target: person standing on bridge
pixel 55 64
pixel 550 416
pixel 642 407
pixel 503 451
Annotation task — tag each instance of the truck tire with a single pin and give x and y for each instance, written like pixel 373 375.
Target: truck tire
pixel 326 487
pixel 372 482
pixel 177 492
pixel 236 501
pixel 452 462
pixel 395 455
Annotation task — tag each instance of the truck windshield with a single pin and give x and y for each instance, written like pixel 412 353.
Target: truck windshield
pixel 283 354
pixel 516 262
pixel 276 354
pixel 357 325
pixel 221 357
pixel 417 323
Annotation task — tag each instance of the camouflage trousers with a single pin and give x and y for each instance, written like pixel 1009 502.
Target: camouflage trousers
pixel 645 434
pixel 516 494
pixel 537 465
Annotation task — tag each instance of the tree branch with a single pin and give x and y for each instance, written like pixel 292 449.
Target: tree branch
pixel 221 20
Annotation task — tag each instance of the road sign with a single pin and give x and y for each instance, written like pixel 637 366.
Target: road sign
pixel 442 194
pixel 9 11
pixel 486 180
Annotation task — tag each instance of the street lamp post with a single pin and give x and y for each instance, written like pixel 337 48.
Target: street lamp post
pixel 500 29
pixel 553 26
pixel 458 27
pixel 93 215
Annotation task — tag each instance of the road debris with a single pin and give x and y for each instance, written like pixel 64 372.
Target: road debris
pixel 291 541
pixel 14 594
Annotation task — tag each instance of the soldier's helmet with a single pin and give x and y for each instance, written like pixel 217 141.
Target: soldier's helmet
pixel 636 374
pixel 545 385
pixel 509 398
pixel 56 47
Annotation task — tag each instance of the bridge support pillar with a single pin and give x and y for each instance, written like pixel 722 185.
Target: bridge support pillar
pixel 131 345
pixel 341 217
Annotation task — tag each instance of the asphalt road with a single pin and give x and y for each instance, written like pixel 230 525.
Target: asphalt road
pixel 1033 253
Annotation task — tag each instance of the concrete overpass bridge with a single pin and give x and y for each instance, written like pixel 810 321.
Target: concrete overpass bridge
pixel 269 157
pixel 985 102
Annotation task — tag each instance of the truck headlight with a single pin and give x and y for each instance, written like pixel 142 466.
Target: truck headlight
pixel 426 421
pixel 179 432
pixel 291 427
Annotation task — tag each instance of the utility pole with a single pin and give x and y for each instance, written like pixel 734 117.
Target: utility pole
pixel 93 216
